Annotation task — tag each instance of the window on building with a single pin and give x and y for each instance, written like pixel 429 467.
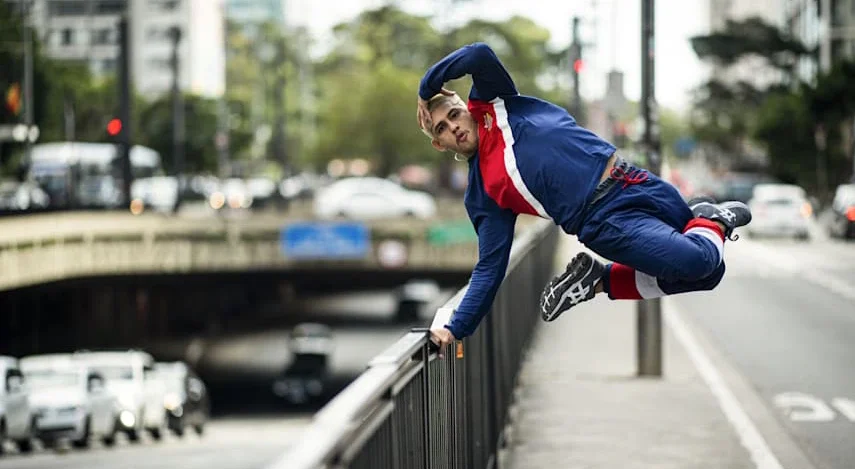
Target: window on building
pixel 108 65
pixel 159 64
pixel 164 5
pixel 67 37
pixel 66 8
pixel 111 7
pixel 103 37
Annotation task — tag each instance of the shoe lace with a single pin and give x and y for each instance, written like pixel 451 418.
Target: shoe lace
pixel 636 176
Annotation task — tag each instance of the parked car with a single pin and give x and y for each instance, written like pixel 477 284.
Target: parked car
pixel 157 193
pixel 372 198
pixel 186 400
pixel 842 223
pixel 129 376
pixel 740 186
pixel 70 400
pixel 413 296
pixel 780 210
pixel 22 196
pixel 17 422
pixel 304 378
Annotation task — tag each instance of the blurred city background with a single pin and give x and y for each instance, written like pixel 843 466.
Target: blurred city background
pixel 223 209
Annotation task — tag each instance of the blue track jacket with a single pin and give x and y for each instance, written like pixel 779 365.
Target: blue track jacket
pixel 532 158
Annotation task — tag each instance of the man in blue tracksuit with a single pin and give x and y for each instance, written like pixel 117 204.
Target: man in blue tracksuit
pixel 529 156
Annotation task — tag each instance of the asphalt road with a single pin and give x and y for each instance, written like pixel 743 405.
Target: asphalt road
pixel 784 316
pixel 252 427
pixel 232 443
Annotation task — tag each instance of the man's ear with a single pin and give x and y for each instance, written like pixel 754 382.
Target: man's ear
pixel 437 145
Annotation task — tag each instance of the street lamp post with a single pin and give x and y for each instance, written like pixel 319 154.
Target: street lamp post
pixel 649 332
pixel 178 130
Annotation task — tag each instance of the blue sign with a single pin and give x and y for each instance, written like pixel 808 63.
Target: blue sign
pixel 326 241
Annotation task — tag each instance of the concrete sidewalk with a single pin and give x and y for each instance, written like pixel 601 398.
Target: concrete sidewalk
pixel 579 404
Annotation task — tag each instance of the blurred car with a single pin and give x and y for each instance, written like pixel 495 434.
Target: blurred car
pixel 263 192
pixel 17 422
pixel 70 400
pixel 372 198
pixel 186 400
pixel 22 196
pixel 413 296
pixel 740 186
pixel 157 193
pixel 129 377
pixel 232 193
pixel 101 191
pixel 779 210
pixel 842 222
pixel 304 378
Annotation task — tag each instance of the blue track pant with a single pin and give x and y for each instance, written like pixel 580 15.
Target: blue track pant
pixel 657 246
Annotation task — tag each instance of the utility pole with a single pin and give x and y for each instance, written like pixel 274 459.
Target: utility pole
pixel 178 131
pixel 29 104
pixel 125 136
pixel 649 312
pixel 575 69
pixel 280 150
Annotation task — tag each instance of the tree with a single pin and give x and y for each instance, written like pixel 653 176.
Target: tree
pixel 724 113
pixel 156 132
pixel 369 80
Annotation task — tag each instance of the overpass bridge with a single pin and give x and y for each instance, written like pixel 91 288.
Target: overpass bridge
pixel 107 279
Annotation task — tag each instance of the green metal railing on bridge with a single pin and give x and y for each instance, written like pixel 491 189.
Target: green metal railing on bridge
pixel 410 409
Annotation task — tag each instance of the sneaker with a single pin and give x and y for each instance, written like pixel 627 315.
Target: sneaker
pixel 698 200
pixel 731 214
pixel 572 287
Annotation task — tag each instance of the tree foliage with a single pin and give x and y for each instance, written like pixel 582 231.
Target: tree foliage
pixel 357 99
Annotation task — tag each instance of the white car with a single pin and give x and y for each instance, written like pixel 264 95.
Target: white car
pixel 17 422
pixel 129 376
pixel 372 198
pixel 70 400
pixel 780 210
pixel 157 193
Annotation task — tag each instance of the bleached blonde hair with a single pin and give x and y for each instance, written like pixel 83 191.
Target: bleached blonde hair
pixel 435 102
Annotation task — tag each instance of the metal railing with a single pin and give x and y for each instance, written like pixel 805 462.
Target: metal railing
pixel 410 409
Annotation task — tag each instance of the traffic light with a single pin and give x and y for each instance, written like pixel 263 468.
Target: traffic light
pixel 13 98
pixel 578 65
pixel 114 127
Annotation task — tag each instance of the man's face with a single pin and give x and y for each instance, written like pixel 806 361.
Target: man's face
pixel 454 129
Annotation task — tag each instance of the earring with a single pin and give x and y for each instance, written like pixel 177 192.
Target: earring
pixel 457 157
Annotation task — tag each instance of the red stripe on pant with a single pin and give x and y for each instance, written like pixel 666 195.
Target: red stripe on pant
pixel 704 223
pixel 622 283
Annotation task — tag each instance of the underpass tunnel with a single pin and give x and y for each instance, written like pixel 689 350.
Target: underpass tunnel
pixel 235 329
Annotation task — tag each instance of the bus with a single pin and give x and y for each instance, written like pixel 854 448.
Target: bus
pixel 87 175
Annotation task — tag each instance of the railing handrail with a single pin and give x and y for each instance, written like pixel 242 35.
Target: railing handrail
pixel 337 420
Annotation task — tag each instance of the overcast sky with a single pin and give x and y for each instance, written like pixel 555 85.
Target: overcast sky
pixel 612 27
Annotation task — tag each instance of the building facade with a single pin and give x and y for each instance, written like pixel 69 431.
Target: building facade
pixel 86 31
pixel 753 70
pixel 828 26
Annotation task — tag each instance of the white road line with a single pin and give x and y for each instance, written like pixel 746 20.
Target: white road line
pixel 748 434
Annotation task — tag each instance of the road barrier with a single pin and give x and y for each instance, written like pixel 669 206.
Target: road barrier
pixel 410 409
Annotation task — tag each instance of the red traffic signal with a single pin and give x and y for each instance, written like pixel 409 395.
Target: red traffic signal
pixel 578 65
pixel 114 127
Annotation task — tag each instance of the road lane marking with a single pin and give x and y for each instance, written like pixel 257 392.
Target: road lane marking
pixel 801 407
pixel 745 429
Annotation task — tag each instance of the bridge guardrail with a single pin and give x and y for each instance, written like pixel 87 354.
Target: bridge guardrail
pixel 183 247
pixel 411 410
